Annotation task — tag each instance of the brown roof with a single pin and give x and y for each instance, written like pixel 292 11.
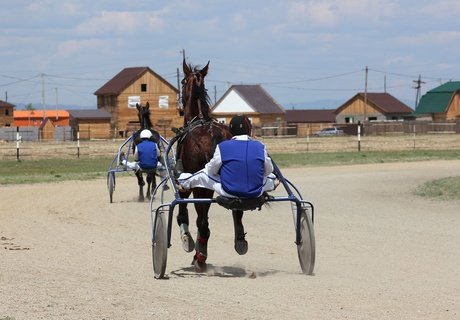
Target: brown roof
pixel 90 114
pixel 125 78
pixel 256 97
pixel 384 101
pixel 6 104
pixel 310 116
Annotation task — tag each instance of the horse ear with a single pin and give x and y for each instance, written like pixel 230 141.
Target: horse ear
pixel 204 71
pixel 147 106
pixel 186 69
pixel 138 107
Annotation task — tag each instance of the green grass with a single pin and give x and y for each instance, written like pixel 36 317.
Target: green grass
pixel 54 170
pixel 442 189
pixel 349 158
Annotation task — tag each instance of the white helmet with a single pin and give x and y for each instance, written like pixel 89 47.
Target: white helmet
pixel 146 134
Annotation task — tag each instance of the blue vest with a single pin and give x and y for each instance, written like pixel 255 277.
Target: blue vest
pixel 147 154
pixel 242 171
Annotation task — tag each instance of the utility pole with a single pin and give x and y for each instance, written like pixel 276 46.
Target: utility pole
pixel 57 117
pixel 43 95
pixel 215 94
pixel 6 96
pixel 418 86
pixel 365 95
pixel 385 83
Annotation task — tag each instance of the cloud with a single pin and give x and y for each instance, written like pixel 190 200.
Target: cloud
pixel 330 13
pixel 73 47
pixel 111 22
pixel 431 38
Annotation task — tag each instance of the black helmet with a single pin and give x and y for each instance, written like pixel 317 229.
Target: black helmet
pixel 240 125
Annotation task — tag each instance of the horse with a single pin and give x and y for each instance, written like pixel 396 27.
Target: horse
pixel 197 142
pixel 143 113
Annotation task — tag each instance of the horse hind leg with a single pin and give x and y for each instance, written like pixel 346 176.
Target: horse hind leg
pixel 151 185
pixel 141 183
pixel 241 245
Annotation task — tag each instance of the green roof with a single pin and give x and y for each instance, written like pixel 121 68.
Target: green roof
pixel 437 100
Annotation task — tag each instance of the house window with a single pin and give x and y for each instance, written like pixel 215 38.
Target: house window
pixel 163 102
pixel 348 119
pixel 133 100
pixel 143 87
pixel 372 118
pixel 7 112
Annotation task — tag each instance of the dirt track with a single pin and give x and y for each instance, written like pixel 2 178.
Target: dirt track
pixel 382 253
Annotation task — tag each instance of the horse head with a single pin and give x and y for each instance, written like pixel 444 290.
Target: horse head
pixel 143 113
pixel 195 99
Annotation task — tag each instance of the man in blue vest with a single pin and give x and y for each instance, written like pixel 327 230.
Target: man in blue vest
pixel 146 154
pixel 240 168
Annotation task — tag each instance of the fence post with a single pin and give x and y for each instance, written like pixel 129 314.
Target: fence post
pixel 414 136
pixel 78 144
pixel 359 138
pixel 17 143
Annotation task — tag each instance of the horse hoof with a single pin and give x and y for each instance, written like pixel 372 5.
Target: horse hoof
pixel 199 261
pixel 241 246
pixel 187 242
pixel 140 199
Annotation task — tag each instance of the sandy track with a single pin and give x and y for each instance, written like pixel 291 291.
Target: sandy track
pixel 382 253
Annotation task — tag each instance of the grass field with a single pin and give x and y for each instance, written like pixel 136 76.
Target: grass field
pixel 55 169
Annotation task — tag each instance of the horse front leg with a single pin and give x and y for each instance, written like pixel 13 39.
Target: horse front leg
pixel 182 220
pixel 241 245
pixel 203 234
pixel 141 183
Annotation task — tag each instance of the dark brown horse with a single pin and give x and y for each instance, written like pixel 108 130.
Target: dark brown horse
pixel 143 113
pixel 201 134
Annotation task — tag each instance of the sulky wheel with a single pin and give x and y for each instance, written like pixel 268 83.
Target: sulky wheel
pixel 306 248
pixel 159 244
pixel 111 184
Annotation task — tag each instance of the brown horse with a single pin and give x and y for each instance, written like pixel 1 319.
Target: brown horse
pixel 143 113
pixel 200 135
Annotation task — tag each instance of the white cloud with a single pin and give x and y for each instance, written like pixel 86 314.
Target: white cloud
pixel 108 22
pixel 330 13
pixel 72 47
pixel 431 38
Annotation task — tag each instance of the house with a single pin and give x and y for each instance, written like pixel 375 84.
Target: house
pixel 6 114
pixel 34 118
pixel 304 122
pixel 91 123
pixel 372 106
pixel 130 86
pixel 441 103
pixel 254 102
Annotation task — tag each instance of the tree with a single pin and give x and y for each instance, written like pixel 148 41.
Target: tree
pixel 29 106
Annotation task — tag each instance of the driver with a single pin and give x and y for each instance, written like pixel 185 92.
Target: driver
pixel 240 167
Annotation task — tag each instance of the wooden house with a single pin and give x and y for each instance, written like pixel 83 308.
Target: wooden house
pixel 34 118
pixel 6 114
pixel 253 101
pixel 304 122
pixel 441 103
pixel 372 107
pixel 91 123
pixel 139 85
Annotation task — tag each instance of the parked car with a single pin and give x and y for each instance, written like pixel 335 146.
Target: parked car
pixel 332 131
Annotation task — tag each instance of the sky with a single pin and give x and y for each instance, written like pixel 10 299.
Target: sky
pixel 305 54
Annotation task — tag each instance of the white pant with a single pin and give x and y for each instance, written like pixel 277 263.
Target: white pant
pixel 161 170
pixel 202 179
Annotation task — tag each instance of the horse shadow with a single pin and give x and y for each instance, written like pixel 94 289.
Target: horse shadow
pixel 221 272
